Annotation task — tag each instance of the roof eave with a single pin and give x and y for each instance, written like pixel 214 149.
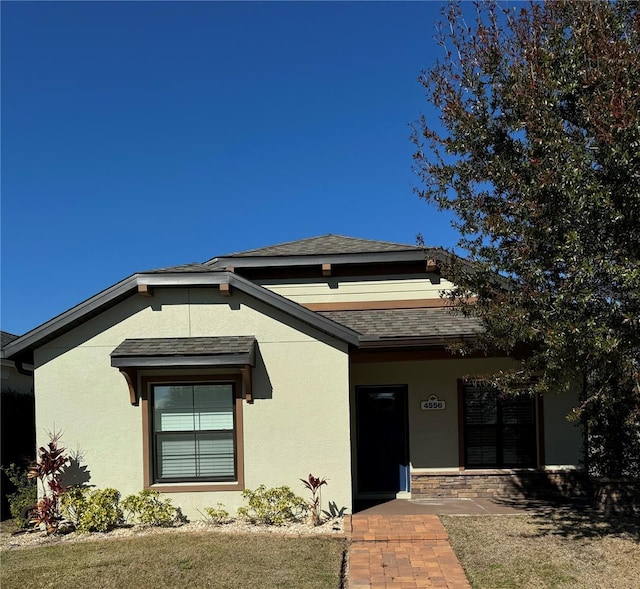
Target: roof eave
pixel 414 255
pixel 436 341
pixel 182 361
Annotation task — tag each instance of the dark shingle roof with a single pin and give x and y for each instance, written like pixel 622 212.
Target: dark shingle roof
pixel 185 346
pixel 326 245
pixel 439 322
pixel 193 267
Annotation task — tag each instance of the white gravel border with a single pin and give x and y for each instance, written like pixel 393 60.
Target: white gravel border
pixel 39 538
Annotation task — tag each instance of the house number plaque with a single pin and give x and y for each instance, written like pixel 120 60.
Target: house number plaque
pixel 432 404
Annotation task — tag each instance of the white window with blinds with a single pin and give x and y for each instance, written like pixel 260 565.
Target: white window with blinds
pixel 194 432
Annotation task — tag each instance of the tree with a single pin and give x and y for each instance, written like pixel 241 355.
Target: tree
pixel 537 152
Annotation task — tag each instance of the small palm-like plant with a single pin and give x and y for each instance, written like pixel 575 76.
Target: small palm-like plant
pixel 314 485
pixel 47 469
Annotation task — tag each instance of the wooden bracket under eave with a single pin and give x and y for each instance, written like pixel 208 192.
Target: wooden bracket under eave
pixel 326 269
pixel 432 266
pixel 225 289
pixel 245 371
pixel 131 376
pixel 145 290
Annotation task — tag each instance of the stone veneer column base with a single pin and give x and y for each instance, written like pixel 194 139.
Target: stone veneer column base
pixel 499 483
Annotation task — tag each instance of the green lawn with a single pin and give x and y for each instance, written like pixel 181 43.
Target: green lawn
pixel 198 559
pixel 555 550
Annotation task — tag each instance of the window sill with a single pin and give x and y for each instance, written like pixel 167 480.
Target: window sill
pixel 195 487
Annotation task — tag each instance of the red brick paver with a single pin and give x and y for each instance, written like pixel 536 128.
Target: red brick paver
pixel 401 552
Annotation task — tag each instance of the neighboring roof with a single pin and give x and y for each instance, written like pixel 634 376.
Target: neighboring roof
pixel 326 245
pixel 439 324
pixel 6 338
pixel 232 350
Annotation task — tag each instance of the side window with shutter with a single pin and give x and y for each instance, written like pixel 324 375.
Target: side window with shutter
pixel 499 432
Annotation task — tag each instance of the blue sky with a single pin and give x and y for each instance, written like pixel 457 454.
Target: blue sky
pixel 138 135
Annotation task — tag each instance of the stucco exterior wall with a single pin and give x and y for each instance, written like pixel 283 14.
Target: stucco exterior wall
pixel 298 423
pixel 379 288
pixel 433 435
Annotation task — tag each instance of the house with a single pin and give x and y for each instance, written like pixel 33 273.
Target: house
pixel 17 427
pixel 325 355
pixel 16 378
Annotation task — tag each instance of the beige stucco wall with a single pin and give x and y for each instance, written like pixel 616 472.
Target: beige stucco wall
pixel 298 423
pixel 379 288
pixel 433 435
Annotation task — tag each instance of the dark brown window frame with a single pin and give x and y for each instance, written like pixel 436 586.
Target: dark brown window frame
pixel 539 435
pixel 148 435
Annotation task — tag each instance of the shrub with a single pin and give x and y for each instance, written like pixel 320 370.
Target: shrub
pixel 147 508
pixel 24 497
pixel 92 511
pixel 275 506
pixel 218 515
pixel 73 503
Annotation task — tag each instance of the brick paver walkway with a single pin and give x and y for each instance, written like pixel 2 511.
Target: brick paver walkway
pixel 401 552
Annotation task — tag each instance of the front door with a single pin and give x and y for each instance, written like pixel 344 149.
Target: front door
pixel 381 423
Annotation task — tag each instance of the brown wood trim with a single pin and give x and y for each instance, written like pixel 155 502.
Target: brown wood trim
pixel 131 376
pixel 541 447
pixel 363 357
pixel 432 266
pixel 460 424
pixel 372 305
pixel 146 433
pixel 184 488
pixel 145 290
pixel 147 457
pixel 247 388
pixel 326 269
pixel 225 289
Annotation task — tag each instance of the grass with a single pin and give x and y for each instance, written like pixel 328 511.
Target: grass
pixel 193 559
pixel 557 549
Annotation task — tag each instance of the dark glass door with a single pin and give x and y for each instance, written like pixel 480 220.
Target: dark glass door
pixel 381 422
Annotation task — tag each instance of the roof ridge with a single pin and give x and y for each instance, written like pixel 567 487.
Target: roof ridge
pixel 287 248
pixel 290 242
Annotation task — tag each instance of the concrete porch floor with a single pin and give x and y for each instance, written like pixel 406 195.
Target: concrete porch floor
pixel 467 506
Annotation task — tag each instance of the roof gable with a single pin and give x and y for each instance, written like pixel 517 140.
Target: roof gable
pixel 22 348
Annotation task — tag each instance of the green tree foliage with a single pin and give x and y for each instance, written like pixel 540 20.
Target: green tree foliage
pixel 537 152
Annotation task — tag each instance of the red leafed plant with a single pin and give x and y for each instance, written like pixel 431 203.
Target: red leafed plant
pixel 47 469
pixel 314 484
